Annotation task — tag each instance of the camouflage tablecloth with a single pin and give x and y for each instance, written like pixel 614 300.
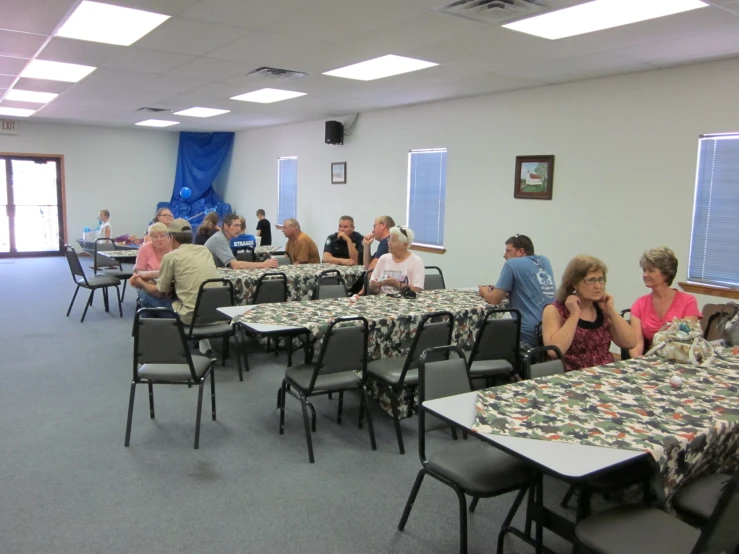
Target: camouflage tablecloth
pixel 392 323
pixel 301 279
pixel 689 430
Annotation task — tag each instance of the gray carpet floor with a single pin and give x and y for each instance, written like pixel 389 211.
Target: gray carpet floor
pixel 68 485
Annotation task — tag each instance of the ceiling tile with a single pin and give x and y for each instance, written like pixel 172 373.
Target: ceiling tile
pixel 211 69
pixel 571 69
pixel 688 48
pixel 339 20
pixel 146 61
pixel 6 80
pixel 43 85
pixel 263 48
pixel 166 7
pixel 185 36
pixel 69 50
pixel 34 16
pixel 142 81
pixel 238 13
pixel 20 45
pixel 11 66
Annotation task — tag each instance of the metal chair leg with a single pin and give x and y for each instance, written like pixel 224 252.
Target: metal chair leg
pixel 123 295
pixel 506 527
pixel 224 350
pixel 473 504
pixel 213 394
pixel 341 406
pixel 568 496
pixel 120 307
pixel 281 405
pixel 69 310
pixel 370 426
pixel 151 400
pixel 462 521
pixel 308 438
pixel 197 416
pixel 130 413
pixel 87 305
pixel 411 499
pixel 238 357
pixel 396 420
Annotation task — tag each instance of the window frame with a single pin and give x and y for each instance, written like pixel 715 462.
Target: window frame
pixel 280 216
pixel 418 245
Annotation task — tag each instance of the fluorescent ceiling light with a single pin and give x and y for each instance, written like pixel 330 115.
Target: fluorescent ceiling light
pixel 30 96
pixel 384 66
pixel 201 112
pixel 17 112
pixel 157 123
pixel 109 24
pixel 56 71
pixel 268 95
pixel 598 15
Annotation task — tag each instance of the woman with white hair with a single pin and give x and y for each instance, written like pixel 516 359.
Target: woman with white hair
pixel 399 268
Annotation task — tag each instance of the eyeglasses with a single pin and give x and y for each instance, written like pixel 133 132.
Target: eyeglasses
pixel 594 280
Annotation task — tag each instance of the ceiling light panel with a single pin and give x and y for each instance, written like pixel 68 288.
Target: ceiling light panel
pixel 157 123
pixel 30 96
pixel 97 22
pixel 268 95
pixel 599 15
pixel 201 112
pixel 384 66
pixel 16 112
pixel 56 71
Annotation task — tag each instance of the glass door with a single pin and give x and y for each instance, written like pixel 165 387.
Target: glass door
pixel 32 217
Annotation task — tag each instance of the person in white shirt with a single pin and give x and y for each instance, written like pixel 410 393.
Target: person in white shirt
pixel 105 231
pixel 399 268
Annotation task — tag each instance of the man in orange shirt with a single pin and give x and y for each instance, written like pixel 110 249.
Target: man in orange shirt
pixel 300 247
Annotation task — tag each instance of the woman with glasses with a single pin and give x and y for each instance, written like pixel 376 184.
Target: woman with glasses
pixel 149 258
pixel 650 312
pixel 163 215
pixel 583 321
pixel 399 268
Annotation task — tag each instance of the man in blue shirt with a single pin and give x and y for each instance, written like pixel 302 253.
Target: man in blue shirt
pixel 528 282
pixel 380 232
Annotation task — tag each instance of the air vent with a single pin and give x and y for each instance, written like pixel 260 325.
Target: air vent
pixel 493 12
pixel 153 110
pixel 275 73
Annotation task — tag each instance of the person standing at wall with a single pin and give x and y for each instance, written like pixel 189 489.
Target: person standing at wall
pixel 264 228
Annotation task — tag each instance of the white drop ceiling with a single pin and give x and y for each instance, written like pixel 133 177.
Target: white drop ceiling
pixel 200 57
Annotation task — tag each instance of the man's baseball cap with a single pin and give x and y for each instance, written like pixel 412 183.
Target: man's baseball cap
pixel 180 225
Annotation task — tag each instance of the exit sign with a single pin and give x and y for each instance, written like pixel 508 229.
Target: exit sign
pixel 8 127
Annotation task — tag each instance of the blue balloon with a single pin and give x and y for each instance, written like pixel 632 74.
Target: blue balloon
pixel 185 193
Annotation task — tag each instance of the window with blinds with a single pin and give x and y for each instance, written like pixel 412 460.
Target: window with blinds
pixel 714 243
pixel 427 195
pixel 287 188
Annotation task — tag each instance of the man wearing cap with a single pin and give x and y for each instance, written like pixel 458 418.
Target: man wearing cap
pixel 220 247
pixel 183 270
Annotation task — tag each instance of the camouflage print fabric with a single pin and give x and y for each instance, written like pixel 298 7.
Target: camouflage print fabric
pixel 688 430
pixel 301 279
pixel 392 324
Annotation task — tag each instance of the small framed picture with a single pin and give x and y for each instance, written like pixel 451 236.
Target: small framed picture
pixel 534 177
pixel 338 173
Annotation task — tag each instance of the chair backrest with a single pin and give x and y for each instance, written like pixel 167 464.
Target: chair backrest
pixel 104 245
pixel 625 351
pixel 434 278
pixel 531 369
pixel 721 532
pixel 74 263
pixel 445 376
pixel 159 338
pixel 283 260
pixel 271 287
pixel 498 339
pixel 245 254
pixel 434 329
pixel 212 294
pixel 344 348
pixel 330 284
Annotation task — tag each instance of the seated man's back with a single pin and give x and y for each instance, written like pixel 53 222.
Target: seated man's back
pixel 184 270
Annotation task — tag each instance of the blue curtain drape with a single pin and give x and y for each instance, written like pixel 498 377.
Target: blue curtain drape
pixel 200 159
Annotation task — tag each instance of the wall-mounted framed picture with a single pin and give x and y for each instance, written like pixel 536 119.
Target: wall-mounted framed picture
pixel 338 173
pixel 534 177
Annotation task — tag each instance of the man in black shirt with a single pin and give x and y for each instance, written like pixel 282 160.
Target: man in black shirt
pixel 345 246
pixel 264 229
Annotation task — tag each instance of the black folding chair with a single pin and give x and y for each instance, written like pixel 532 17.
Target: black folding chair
pixel 90 283
pixel 245 254
pixel 434 278
pixel 208 323
pixel 400 374
pixel 109 266
pixel 496 350
pixel 330 284
pixel 469 468
pixel 271 287
pixel 161 356
pixel 343 354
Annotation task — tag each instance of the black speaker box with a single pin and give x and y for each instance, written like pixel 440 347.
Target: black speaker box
pixel 334 132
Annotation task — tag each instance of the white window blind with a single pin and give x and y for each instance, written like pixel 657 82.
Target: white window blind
pixel 287 188
pixel 714 244
pixel 427 195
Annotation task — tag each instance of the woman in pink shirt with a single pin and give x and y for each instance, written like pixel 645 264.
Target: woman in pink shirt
pixel 650 312
pixel 150 255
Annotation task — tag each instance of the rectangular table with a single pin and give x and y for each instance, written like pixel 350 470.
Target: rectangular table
pixel 576 425
pixel 301 279
pixel 392 323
